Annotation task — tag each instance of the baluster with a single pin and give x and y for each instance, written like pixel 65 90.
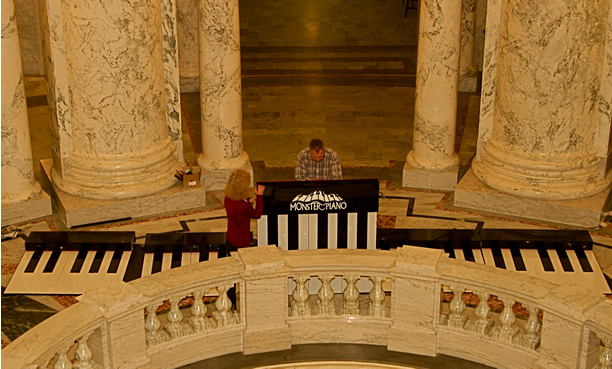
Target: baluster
pixel 351 296
pixel 507 330
pixel 605 356
pixel 62 360
pixel 300 305
pixel 456 318
pixel 199 321
pixel 83 354
pixel 154 334
pixel 376 306
pixel 175 327
pixel 223 315
pixel 482 324
pixel 325 305
pixel 532 327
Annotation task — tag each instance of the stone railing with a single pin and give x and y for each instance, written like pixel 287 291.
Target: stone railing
pixel 140 324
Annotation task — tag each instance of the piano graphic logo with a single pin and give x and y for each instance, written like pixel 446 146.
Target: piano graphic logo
pixel 317 201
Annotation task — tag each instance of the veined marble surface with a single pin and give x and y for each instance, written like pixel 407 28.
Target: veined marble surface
pixel 220 86
pixel 436 86
pixel 26 13
pixel 187 32
pixel 18 182
pixel 604 111
pixel 468 27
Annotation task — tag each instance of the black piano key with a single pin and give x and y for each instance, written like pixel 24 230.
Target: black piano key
pixel 158 258
pixel 582 258
pixel 293 231
pixel 517 257
pixel 498 257
pixel 97 261
pixel 362 230
pixel 222 251
pixel 544 258
pixel 135 264
pixel 203 253
pixel 447 246
pixel 322 228
pixel 34 260
pixel 342 230
pixel 53 259
pixel 80 259
pixel 114 264
pixel 565 261
pixel 468 254
pixel 177 256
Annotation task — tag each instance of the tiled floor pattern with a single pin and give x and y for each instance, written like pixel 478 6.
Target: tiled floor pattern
pixel 326 69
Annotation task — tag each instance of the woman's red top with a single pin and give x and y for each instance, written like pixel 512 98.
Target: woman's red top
pixel 239 215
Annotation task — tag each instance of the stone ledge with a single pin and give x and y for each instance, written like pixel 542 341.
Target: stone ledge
pixel 37 207
pixel 77 211
pixel 472 194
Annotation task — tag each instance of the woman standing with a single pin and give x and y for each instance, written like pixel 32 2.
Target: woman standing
pixel 239 208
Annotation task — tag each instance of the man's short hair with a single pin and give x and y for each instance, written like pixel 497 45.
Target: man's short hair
pixel 316 145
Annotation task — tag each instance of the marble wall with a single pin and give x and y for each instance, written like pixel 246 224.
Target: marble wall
pixel 187 16
pixel 29 36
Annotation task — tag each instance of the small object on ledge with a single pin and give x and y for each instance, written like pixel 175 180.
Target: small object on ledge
pixel 191 176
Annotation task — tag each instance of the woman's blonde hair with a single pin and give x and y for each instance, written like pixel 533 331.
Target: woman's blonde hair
pixel 238 184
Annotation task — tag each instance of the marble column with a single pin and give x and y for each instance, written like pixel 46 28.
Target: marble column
pixel 467 69
pixel 111 138
pixel 220 92
pixel 432 162
pixel 187 24
pixel 19 188
pixel 542 142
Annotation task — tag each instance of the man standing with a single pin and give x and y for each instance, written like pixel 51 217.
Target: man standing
pixel 316 162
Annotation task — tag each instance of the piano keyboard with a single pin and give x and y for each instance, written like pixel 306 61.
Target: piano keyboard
pixel 71 262
pixel 318 231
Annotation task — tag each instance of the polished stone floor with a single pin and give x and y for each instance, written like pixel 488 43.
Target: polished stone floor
pixel 339 70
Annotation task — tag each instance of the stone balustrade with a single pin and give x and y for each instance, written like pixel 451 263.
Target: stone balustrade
pixel 141 324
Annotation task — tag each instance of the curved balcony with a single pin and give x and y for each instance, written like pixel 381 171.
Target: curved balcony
pixel 495 317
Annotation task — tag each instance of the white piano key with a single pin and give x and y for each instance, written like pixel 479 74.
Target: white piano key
pixel 101 277
pixel 313 233
pixel 332 230
pixel 302 231
pixel 283 231
pixel 185 258
pixel 459 254
pixel 147 264
pixel 561 275
pixel 213 255
pixel 166 261
pixel 530 268
pixel 487 255
pixel 82 278
pixel 195 257
pixel 262 231
pixel 534 263
pixel 123 264
pixel 66 279
pixel 372 222
pixel 601 284
pixel 580 278
pixel 478 256
pixel 49 280
pixel 507 255
pixel 351 231
pixel 22 282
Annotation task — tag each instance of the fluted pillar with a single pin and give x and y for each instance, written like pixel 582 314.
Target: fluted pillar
pixel 111 139
pixel 220 92
pixel 549 74
pixel 432 162
pixel 18 183
pixel 187 27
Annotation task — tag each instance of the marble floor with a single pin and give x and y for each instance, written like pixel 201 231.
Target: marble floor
pixel 327 69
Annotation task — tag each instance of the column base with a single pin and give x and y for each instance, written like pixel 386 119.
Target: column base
pixel 468 83
pixel 20 212
pixel 473 194
pixel 77 211
pixel 216 180
pixel 431 179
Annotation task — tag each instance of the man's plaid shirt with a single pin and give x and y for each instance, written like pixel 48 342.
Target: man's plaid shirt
pixel 308 169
